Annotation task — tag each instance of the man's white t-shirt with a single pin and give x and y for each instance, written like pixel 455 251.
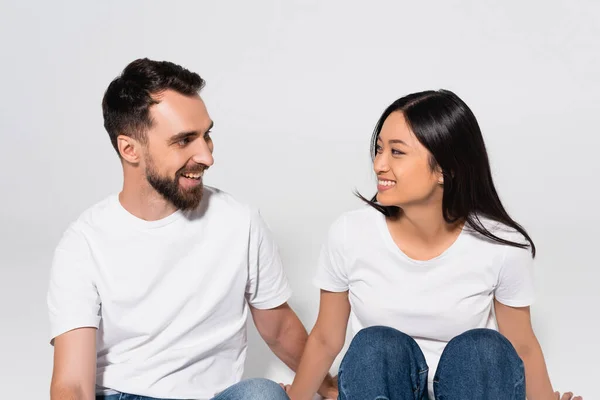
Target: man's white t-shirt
pixel 169 297
pixel 432 301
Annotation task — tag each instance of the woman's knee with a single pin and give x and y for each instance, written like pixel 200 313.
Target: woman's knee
pixel 483 343
pixel 382 341
pixel 478 362
pixel 381 359
pixel 379 335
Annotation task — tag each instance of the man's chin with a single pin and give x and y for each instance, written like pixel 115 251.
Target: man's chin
pixel 188 201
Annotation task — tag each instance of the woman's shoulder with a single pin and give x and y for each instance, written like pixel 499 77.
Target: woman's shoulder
pixel 356 222
pixel 478 223
pixel 357 218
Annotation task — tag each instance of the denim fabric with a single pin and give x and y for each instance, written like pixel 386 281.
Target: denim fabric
pixel 249 389
pixel 383 363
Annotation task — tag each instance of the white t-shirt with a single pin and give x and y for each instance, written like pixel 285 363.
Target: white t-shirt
pixel 169 297
pixel 432 301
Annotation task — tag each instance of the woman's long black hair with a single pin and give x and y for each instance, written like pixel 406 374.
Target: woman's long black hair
pixel 447 127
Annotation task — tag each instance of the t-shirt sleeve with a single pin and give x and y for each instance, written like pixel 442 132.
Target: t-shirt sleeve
pixel 73 301
pixel 267 285
pixel 516 279
pixel 332 266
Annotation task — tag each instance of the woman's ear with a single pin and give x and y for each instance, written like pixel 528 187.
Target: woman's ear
pixel 440 175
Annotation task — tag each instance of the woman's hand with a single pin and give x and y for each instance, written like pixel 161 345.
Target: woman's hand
pixel 285 387
pixel 567 396
pixel 329 393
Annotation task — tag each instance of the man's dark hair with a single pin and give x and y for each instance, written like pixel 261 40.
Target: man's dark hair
pixel 127 100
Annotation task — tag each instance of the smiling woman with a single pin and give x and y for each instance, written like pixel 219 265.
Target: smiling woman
pixel 421 272
pixel 431 142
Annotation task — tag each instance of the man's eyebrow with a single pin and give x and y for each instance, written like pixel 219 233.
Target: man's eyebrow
pixel 182 135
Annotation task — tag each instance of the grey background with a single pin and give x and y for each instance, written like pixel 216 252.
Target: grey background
pixel 295 89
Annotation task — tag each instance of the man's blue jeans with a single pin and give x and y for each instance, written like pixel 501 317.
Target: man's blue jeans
pixel 249 389
pixel 383 363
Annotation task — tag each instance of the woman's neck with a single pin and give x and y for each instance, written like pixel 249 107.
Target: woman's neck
pixel 426 223
pixel 423 233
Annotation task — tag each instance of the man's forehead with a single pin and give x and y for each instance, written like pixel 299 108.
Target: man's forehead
pixel 175 109
pixel 172 100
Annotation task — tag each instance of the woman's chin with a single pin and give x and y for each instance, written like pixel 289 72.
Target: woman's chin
pixel 384 200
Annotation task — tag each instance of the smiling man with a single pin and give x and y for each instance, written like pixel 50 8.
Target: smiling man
pixel 150 289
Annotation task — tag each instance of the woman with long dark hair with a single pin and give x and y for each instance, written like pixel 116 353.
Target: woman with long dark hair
pixel 435 276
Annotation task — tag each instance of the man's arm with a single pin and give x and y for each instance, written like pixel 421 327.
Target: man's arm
pixel 285 335
pixel 74 371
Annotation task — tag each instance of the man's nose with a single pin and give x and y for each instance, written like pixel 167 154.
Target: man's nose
pixel 203 155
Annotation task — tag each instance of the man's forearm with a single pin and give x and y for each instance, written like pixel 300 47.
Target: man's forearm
pixel 289 343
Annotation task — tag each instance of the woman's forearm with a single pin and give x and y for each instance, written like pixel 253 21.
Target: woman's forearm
pixel 537 381
pixel 315 364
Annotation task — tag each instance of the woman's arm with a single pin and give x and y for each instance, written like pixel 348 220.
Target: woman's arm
pixel 325 342
pixel 515 324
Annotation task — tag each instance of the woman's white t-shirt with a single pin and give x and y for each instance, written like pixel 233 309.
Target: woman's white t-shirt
pixel 432 301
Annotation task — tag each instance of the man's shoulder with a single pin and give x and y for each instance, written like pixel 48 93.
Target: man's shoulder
pixel 90 218
pixel 100 210
pixel 222 198
pixel 220 204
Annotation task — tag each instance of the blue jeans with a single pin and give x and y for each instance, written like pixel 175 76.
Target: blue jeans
pixel 249 389
pixel 383 363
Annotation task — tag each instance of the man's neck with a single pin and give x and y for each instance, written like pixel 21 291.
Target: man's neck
pixel 142 201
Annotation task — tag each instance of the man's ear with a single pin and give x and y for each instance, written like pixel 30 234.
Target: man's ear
pixel 129 148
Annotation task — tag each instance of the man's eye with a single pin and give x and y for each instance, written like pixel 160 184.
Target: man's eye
pixel 207 135
pixel 183 142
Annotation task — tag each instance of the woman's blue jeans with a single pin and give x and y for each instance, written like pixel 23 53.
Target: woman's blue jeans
pixel 383 363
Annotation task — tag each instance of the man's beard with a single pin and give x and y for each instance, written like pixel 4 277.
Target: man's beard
pixel 169 188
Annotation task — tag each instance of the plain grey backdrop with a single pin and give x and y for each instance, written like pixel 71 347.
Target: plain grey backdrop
pixel 295 89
